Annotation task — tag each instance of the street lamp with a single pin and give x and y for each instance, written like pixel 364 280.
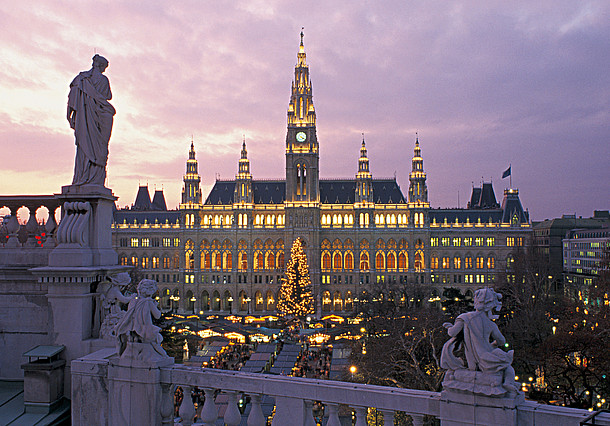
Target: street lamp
pixel 247 300
pixel 193 300
pixel 352 369
pixel 230 300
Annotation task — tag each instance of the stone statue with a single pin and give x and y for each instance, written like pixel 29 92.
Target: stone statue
pixel 91 115
pixel 110 299
pixel 136 328
pixel 489 367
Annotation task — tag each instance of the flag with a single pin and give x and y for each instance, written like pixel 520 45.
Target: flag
pixel 506 172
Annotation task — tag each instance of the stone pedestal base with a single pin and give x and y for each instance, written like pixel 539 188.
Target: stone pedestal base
pixel 135 385
pixel 84 235
pixel 478 402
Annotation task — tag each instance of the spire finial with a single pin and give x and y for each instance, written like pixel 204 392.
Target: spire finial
pixel 302 28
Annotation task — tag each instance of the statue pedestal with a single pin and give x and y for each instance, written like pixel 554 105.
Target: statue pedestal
pixel 476 398
pixel 84 235
pixel 135 394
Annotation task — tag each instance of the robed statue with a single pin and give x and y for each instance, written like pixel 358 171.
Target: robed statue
pixel 91 115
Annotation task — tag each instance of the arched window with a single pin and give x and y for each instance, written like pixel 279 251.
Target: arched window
pixel 258 260
pixel 349 260
pixel 270 301
pixel 243 261
pixel 418 261
pixel 337 302
pixel 364 261
pixel 403 260
pixel 379 260
pixel 270 260
pixel 326 260
pixel 280 260
pixel 337 260
pixel 326 301
pixel 227 260
pixel 391 260
pixel 491 262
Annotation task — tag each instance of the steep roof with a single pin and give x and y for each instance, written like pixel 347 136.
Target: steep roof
pixel 149 216
pixel 158 202
pixel 142 199
pixel 332 191
pixel 483 198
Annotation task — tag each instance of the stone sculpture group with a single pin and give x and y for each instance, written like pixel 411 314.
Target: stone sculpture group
pixel 488 368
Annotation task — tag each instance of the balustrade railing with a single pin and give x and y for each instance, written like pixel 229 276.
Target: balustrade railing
pixel 294 399
pixel 32 234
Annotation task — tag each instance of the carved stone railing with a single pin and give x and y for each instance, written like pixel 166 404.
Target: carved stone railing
pixel 294 398
pixel 32 234
pixel 101 385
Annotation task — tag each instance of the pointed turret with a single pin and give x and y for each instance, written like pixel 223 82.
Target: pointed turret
pixel 418 191
pixel 364 179
pixel 243 179
pixel 302 157
pixel 191 190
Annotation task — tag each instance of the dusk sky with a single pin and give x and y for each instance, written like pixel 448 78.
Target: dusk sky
pixel 484 83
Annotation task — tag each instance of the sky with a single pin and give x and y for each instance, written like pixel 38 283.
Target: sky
pixel 485 84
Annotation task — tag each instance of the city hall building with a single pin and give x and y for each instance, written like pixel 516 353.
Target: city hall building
pixel 227 253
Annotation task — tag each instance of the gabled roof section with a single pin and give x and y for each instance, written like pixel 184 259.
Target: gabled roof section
pixel 142 199
pixel 465 215
pixel 150 216
pixel 263 192
pixel 511 205
pixel 483 198
pixel 158 202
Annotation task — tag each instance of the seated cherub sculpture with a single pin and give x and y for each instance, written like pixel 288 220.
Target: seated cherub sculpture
pixel 481 339
pixel 136 325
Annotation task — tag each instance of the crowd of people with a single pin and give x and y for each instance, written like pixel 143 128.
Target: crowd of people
pixel 232 357
pixel 314 363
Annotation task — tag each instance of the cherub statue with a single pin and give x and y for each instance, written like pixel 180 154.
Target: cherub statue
pixel 136 325
pixel 481 339
pixel 110 299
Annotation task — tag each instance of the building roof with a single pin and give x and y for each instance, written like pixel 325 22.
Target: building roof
pixel 332 191
pixel 483 198
pixel 150 216
pixel 158 202
pixel 142 199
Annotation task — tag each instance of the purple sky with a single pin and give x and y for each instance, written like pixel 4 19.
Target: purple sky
pixel 485 84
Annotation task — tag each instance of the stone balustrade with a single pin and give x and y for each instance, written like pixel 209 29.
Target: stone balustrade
pixel 109 390
pixel 294 398
pixel 32 234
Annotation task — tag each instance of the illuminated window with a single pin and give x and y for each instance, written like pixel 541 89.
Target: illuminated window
pixel 445 241
pixel 167 242
pixel 434 262
pixel 457 242
pixel 391 260
pixel 379 260
pixel 468 263
pixel 364 261
pixel 349 260
pixel 491 263
pixel 446 263
pixel 155 262
pixel 510 241
pixel 490 242
pixel 457 263
pixel 325 260
pixel 403 260
pixel 478 241
pixel 176 242
pixel 135 242
pixel 434 241
pixel 145 242
pixel 480 262
pixel 468 241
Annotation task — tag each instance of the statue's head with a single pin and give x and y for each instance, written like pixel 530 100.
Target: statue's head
pixel 486 299
pixel 100 62
pixel 146 288
pixel 121 279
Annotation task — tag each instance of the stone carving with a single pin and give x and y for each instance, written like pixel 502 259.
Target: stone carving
pixel 488 369
pixel 110 299
pixel 91 115
pixel 74 227
pixel 138 337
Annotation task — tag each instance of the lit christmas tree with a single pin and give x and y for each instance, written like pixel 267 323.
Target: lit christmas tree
pixel 295 297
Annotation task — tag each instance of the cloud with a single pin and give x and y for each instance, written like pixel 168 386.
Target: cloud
pixel 485 84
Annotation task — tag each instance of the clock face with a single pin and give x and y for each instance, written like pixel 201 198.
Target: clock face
pixel 301 136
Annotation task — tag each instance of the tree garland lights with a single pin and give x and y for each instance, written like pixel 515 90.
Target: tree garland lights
pixel 295 298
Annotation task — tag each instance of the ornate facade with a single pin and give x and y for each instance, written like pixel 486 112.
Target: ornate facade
pixel 361 235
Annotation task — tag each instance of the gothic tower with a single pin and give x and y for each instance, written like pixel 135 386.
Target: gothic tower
pixel 364 179
pixel 302 156
pixel 243 179
pixel 418 191
pixel 191 189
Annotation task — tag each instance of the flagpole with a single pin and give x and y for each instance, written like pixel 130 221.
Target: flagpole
pixel 510 167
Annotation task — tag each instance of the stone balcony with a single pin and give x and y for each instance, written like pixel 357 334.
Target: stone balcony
pixel 106 390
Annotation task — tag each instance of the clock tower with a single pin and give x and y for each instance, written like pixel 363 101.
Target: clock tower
pixel 302 153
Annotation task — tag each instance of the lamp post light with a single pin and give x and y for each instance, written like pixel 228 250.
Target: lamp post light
pixel 247 300
pixel 193 300
pixel 230 300
pixel 352 370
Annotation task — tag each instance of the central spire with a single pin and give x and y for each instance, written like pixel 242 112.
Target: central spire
pixel 301 112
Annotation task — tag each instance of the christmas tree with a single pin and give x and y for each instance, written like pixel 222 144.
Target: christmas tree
pixel 295 297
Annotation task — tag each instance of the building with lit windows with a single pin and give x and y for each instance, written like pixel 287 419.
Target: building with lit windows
pixel 227 253
pixel 585 254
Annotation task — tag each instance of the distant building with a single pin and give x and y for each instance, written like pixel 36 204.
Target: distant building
pixel 584 254
pixel 362 234
pixel 548 236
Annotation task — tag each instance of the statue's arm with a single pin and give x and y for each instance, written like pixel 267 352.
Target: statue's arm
pixel 455 329
pixel 499 339
pixel 154 311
